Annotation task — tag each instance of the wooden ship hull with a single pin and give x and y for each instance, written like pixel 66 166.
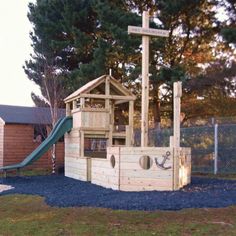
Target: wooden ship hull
pixel 118 165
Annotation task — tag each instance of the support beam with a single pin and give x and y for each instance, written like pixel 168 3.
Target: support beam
pixel 107 92
pixel 145 83
pixel 177 97
pixel 81 143
pixel 68 109
pixel 82 103
pixel 176 139
pixel 74 104
pixel 131 122
pixel 101 96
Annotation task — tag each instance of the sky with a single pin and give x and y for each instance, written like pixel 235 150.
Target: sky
pixel 15 87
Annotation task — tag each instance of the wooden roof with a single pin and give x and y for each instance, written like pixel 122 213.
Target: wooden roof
pixel 87 89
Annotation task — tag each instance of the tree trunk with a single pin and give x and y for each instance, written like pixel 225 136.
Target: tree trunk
pixel 156 109
pixel 53 151
pixel 156 113
pixel 53 155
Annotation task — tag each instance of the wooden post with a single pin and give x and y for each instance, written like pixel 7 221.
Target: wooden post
pixel 128 136
pixel 171 140
pixel 110 135
pixel 68 109
pixel 109 107
pixel 74 104
pixel 177 97
pixel 131 122
pixel 145 31
pixel 145 82
pixel 82 102
pixel 176 139
pixel 81 143
pixel 112 115
pixel 89 168
pixel 107 92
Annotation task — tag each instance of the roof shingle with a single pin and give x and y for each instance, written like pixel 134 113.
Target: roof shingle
pixel 27 115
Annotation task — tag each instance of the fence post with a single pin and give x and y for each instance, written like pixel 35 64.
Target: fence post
pixel 215 149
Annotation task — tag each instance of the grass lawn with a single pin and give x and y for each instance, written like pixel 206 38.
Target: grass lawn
pixel 231 176
pixel 29 215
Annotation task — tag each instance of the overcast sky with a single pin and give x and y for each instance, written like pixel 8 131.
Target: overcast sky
pixel 15 88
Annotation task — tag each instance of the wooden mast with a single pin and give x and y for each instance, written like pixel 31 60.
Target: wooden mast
pixel 146 32
pixel 145 82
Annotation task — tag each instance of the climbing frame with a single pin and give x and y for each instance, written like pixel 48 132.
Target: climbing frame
pixel 93 108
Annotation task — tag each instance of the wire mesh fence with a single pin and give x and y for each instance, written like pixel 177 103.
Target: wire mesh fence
pixel 226 148
pixel 213 150
pixel 201 141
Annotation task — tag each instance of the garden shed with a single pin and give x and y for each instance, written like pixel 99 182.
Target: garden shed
pixel 22 129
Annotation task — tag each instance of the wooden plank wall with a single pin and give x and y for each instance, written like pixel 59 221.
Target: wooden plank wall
pixel 134 178
pixel 1 142
pixel 94 118
pixel 18 143
pixel 75 165
pixel 76 118
pixel 128 175
pixel 76 168
pixel 102 172
pixel 72 144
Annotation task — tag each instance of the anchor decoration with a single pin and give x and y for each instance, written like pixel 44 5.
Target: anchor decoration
pixel 162 164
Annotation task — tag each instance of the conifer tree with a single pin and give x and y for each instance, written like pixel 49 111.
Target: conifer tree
pixel 83 39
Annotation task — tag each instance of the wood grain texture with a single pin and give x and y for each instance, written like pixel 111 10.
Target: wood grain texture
pixel 102 172
pixel 18 143
pixel 1 143
pixel 128 175
pixel 76 168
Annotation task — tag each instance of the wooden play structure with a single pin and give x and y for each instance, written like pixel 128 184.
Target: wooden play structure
pixel 97 150
pixel 117 164
pixel 93 110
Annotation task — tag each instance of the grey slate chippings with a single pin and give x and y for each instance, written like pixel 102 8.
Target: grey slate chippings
pixel 61 191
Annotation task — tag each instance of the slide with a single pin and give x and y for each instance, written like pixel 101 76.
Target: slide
pixel 62 126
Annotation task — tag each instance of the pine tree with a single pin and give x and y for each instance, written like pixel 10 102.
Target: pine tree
pixel 82 39
pixel 193 29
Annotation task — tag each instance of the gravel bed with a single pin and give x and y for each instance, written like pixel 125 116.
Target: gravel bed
pixel 61 191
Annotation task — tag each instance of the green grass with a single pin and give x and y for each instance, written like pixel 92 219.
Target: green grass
pixel 29 215
pixel 231 176
pixel 28 172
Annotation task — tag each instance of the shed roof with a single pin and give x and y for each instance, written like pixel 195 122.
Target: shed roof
pixel 27 115
pixel 87 88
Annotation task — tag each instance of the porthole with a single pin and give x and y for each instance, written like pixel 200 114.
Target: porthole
pixel 145 162
pixel 113 161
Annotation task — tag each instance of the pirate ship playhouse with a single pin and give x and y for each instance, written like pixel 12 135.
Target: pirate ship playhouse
pixel 98 150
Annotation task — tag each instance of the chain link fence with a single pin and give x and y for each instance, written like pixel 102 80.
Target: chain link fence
pixel 213 146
